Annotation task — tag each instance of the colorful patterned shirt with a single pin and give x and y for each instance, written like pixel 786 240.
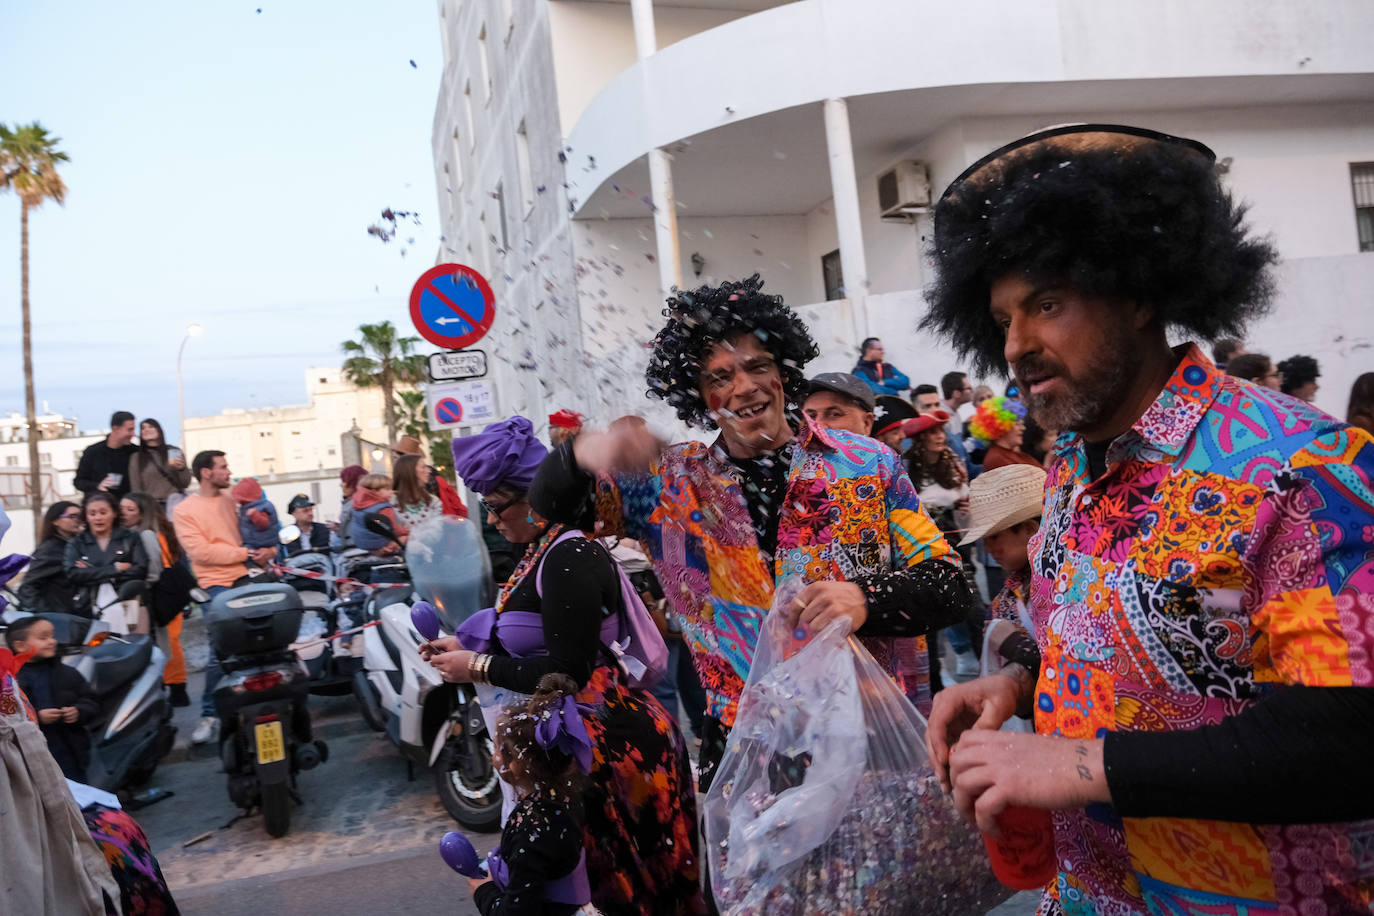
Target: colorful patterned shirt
pixel 1227 551
pixel 850 513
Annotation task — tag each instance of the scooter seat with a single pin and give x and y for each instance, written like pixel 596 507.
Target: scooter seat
pixel 117 663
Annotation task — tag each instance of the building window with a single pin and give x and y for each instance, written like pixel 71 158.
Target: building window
pixel 832 275
pixel 45 460
pixel 1362 182
pixel 522 153
pixel 11 461
pixel 457 161
pixel 485 61
pixel 500 196
pixel 467 112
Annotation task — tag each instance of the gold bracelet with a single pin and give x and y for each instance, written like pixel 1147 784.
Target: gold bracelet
pixel 478 670
pixel 474 664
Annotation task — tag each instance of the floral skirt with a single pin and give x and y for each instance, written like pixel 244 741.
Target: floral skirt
pixel 142 889
pixel 640 805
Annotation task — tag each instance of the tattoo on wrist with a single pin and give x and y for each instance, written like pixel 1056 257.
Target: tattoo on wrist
pixel 1084 773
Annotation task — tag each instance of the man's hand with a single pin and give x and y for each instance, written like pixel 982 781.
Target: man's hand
pixel 263 556
pixel 453 666
pixel 69 714
pixel 82 564
pixel 49 716
pixel 624 447
pixel 992 769
pixel 123 567
pixel 435 646
pixel 822 603
pixel 474 883
pixel 984 703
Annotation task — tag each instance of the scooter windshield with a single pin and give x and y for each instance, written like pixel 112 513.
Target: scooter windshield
pixel 449 568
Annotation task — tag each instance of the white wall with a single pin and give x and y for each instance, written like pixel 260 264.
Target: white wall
pixel 594 41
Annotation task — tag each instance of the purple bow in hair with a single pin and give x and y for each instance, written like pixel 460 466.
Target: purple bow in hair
pixel 561 727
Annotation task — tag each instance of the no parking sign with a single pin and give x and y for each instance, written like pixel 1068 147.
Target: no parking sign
pixel 471 403
pixel 452 306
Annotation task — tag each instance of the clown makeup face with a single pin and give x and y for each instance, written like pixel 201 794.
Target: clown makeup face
pixel 742 387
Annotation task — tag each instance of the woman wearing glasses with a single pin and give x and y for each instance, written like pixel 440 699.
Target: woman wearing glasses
pixel 46 588
pixel 640 800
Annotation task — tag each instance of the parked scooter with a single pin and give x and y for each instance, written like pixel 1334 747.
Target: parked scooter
pixel 133 730
pixel 265 737
pixel 434 723
pixel 330 663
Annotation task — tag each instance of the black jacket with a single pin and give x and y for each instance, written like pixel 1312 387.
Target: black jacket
pixel 319 540
pixel 99 460
pixel 46 588
pixel 51 684
pixel 124 547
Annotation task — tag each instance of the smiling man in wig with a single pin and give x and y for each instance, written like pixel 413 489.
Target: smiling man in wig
pixel 1200 586
pixel 772 503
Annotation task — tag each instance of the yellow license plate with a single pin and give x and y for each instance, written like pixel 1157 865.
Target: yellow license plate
pixel 271 747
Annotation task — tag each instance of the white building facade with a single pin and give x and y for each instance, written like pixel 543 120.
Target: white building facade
pixel 300 448
pixel 591 154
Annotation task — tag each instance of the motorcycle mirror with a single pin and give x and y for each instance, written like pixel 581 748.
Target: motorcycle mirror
pixel 289 533
pixel 380 524
pixel 425 620
pixel 458 854
pixel 130 590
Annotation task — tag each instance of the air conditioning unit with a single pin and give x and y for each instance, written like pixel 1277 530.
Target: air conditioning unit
pixel 904 189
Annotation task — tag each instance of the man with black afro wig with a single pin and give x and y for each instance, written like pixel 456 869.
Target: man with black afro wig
pixel 1200 585
pixel 774 506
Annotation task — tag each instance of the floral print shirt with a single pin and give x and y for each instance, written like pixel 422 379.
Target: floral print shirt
pixel 1227 551
pixel 850 513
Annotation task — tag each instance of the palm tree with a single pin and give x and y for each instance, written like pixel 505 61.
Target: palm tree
pixel 381 359
pixel 28 166
pixel 412 418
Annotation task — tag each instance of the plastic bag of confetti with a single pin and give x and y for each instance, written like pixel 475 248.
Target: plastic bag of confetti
pixel 825 800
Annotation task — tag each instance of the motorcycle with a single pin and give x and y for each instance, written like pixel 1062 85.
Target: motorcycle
pixel 330 663
pixel 432 722
pixel 265 737
pixel 133 730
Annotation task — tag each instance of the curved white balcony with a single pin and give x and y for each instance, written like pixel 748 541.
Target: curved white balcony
pixel 908 66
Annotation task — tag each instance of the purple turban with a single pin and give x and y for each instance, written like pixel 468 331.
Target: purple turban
pixel 503 453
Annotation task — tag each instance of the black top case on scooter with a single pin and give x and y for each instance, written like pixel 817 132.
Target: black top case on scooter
pixel 254 619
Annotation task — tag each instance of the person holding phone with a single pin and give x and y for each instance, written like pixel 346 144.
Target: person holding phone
pixel 157 468
pixel 104 466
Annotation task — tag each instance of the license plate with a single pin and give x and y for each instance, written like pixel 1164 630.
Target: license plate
pixel 271 747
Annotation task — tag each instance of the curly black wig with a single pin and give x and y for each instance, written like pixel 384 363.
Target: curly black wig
pixel 1141 222
pixel 1298 371
pixel 710 315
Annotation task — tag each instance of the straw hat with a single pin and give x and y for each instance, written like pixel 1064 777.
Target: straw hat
pixel 1003 497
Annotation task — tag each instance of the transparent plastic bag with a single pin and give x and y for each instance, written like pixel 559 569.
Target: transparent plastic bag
pixel 825 800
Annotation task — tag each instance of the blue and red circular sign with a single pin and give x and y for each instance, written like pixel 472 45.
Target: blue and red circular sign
pixel 449 410
pixel 452 306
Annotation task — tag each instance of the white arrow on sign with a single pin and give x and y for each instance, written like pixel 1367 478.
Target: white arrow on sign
pixel 449 321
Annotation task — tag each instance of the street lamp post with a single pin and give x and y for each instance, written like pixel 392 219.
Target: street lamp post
pixel 192 330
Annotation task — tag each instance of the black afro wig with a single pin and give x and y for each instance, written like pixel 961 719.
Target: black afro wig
pixel 710 315
pixel 1146 223
pixel 1298 371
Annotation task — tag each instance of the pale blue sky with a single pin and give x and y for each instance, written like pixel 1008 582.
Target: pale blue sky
pixel 225 166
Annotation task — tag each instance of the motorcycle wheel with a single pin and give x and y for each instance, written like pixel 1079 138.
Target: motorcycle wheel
pixel 467 783
pixel 368 703
pixel 276 809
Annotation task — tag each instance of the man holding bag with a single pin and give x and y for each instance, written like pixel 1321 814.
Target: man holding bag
pixel 1200 583
pixel 766 504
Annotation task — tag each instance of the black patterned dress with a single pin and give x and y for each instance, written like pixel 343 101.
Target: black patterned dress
pixel 640 802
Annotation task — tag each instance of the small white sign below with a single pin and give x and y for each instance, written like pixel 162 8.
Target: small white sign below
pixel 452 404
pixel 453 365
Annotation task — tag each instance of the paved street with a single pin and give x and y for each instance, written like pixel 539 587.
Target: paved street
pixel 364 840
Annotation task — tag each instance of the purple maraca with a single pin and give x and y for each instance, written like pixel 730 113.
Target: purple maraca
pixel 459 855
pixel 425 620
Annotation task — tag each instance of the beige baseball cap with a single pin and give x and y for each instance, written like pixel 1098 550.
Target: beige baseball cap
pixel 1003 497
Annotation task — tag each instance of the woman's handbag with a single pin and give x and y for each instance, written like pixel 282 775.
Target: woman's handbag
pixel 171 593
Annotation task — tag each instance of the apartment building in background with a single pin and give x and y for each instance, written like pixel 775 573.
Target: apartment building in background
pixel 589 155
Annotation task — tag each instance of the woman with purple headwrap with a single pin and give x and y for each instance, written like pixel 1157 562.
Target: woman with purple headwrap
pixel 640 801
